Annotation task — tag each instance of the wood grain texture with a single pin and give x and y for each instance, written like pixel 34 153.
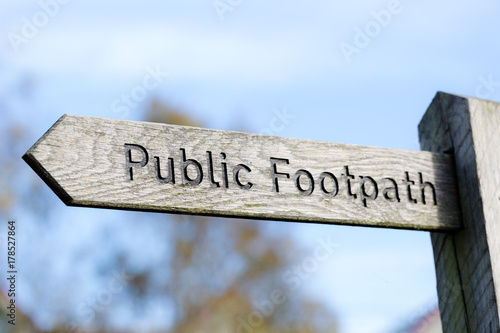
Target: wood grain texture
pixel 467 262
pixel 84 160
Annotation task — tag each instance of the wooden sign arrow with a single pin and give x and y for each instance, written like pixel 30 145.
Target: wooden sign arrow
pixel 145 166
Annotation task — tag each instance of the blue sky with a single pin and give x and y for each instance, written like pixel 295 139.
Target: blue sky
pixel 266 56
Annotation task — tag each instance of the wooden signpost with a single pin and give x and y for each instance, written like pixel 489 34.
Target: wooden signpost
pixel 157 167
pixel 130 165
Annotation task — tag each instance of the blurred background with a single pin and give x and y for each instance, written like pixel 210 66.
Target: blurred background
pixel 360 72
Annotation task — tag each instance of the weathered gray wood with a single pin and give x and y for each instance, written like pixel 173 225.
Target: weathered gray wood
pixel 85 161
pixel 467 262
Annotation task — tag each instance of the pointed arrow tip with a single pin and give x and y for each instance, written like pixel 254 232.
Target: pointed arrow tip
pixel 31 160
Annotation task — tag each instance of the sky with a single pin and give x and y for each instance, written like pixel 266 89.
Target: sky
pixel 360 72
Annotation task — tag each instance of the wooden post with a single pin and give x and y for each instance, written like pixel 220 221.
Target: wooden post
pixel 468 261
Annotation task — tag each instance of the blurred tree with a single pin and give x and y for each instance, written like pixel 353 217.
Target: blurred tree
pixel 201 274
pixel 223 274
